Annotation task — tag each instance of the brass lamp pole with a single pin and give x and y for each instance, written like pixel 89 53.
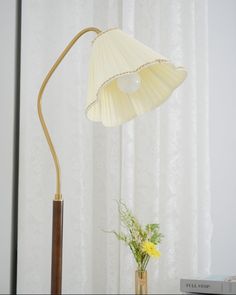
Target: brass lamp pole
pixel 57 225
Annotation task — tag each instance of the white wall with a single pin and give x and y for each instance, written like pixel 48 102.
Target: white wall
pixel 222 74
pixel 7 62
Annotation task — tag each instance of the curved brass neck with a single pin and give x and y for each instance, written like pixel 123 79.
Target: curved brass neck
pixel 41 118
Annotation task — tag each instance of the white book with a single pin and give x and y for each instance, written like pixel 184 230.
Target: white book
pixel 209 285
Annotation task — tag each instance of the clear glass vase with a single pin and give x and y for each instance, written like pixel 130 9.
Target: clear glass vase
pixel 141 282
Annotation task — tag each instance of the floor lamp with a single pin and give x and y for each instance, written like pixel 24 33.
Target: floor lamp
pixel 126 79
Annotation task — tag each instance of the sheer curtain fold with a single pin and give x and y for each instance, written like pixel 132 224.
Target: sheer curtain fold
pixel 157 164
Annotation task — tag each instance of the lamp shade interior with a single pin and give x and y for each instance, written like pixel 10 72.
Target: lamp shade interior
pixel 123 61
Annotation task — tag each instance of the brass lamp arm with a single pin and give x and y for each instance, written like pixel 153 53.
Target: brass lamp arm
pixel 41 118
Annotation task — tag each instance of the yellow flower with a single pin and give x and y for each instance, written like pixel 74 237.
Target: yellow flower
pixel 150 249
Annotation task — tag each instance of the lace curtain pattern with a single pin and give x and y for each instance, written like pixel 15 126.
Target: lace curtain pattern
pixel 158 163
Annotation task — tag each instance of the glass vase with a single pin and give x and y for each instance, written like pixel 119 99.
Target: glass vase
pixel 141 282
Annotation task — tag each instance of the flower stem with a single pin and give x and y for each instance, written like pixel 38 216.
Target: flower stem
pixel 145 262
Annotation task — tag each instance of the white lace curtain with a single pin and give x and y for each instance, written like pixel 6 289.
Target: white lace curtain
pixel 158 163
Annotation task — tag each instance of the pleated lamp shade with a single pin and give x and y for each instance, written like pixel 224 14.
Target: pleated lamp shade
pixel 127 78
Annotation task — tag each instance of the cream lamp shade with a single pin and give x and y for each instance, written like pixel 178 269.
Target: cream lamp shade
pixel 127 78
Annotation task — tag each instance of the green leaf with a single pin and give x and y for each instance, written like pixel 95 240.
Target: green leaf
pixel 154 238
pixel 121 236
pixel 152 226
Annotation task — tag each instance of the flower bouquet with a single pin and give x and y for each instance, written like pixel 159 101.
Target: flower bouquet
pixel 142 242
